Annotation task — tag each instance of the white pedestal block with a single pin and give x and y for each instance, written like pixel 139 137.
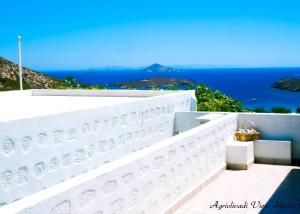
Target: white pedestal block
pixel 273 152
pixel 239 155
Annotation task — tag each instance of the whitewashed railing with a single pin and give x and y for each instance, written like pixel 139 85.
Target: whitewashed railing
pixel 149 181
pixel 39 152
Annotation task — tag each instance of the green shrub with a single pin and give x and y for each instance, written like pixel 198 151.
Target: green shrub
pixel 95 87
pixel 71 83
pixel 280 110
pixel 209 100
pixel 154 88
pixel 298 109
pixel 260 110
pixel 172 88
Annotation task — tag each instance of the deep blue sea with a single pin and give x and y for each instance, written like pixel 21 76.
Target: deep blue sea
pixel 243 84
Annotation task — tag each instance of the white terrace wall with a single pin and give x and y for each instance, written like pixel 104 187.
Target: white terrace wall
pixel 149 181
pixel 100 93
pixel 276 127
pixel 188 120
pixel 38 152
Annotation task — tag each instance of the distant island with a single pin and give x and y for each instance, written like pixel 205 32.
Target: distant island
pixel 158 68
pixel 289 84
pixel 154 83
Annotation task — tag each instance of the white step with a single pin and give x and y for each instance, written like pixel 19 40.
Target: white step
pixel 239 155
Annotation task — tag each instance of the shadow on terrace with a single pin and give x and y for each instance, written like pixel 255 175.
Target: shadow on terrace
pixel 286 198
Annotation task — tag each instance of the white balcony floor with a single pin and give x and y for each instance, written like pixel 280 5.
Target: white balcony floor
pixel 268 184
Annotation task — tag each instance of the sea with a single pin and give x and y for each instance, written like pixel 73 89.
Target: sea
pixel 251 86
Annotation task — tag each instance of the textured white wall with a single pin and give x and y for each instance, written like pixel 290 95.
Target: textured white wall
pixel 146 182
pixel 38 152
pixel 188 120
pixel 277 127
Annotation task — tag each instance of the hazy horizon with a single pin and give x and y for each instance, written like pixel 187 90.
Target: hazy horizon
pixel 181 67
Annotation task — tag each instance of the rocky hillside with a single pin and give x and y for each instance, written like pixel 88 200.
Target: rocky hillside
pixel 9 78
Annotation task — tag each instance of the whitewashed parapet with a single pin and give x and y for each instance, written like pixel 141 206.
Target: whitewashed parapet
pixel 188 120
pixel 149 181
pixel 276 127
pixel 39 152
pixel 100 93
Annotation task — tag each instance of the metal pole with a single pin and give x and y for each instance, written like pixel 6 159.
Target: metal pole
pixel 20 63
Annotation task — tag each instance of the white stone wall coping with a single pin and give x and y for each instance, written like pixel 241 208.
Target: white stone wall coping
pixel 209 116
pixel 41 102
pixel 101 93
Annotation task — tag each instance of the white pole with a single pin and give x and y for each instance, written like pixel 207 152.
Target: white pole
pixel 20 63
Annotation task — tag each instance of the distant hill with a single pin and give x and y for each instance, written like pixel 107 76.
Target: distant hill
pixel 9 78
pixel 154 82
pixel 160 68
pixel 289 84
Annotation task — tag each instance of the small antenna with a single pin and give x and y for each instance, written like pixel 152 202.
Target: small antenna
pixel 20 63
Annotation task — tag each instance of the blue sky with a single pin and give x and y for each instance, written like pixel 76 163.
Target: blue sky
pixel 70 34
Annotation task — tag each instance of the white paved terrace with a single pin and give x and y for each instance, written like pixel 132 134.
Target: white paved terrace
pixel 277 188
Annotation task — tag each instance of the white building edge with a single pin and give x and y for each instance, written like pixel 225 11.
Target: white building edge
pixel 123 151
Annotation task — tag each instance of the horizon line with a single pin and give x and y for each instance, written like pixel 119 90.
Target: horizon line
pixel 182 67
